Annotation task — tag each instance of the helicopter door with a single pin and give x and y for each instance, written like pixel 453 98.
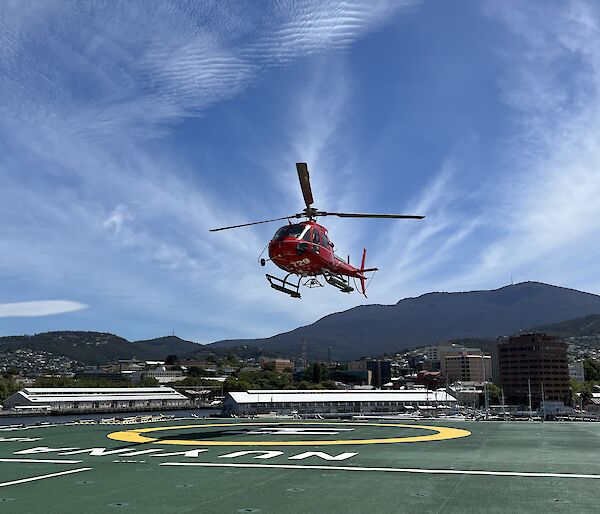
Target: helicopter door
pixel 325 242
pixel 316 239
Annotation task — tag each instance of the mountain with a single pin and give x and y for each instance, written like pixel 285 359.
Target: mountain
pixel 98 347
pixel 89 347
pixel 430 318
pixel 163 346
pixel 578 327
pixel 362 331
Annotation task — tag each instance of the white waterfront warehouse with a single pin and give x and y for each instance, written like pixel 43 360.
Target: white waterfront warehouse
pixel 96 399
pixel 252 402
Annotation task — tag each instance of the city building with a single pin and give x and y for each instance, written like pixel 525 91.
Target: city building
pixel 468 394
pixel 96 399
pixel 537 362
pixel 492 348
pixel 593 404
pixel 467 365
pixel 279 365
pixel 430 379
pixel 335 402
pixel 381 370
pixel 435 355
pixel 352 377
pixel 101 375
pixel 576 371
pixel 164 375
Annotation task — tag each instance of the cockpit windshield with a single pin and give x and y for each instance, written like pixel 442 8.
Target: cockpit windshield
pixel 289 231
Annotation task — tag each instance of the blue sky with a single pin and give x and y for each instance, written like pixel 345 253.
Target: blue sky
pixel 129 129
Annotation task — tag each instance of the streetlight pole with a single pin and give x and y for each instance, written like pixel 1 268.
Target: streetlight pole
pixel 485 391
pixel 543 402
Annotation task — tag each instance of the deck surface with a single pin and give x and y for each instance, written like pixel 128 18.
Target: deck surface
pixel 362 466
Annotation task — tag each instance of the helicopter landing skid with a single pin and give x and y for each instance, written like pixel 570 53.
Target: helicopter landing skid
pixel 337 281
pixel 284 286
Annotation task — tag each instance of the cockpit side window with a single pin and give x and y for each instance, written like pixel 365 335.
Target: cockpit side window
pixel 280 234
pixel 325 241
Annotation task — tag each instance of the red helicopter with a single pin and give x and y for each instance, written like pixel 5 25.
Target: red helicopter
pixel 304 249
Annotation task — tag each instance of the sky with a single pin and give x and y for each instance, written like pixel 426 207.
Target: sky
pixel 129 129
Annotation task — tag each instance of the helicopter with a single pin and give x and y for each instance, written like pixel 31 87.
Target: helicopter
pixel 304 249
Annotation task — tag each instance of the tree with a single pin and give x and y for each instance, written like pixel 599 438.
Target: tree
pixel 494 394
pixel 194 371
pixel 171 359
pixel 8 387
pixel 585 390
pixel 316 373
pixel 591 370
pixel 328 384
pixel 234 384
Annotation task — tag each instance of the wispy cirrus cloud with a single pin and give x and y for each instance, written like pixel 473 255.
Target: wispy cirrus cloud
pixel 89 206
pixel 99 199
pixel 415 254
pixel 104 76
pixel 533 214
pixel 549 216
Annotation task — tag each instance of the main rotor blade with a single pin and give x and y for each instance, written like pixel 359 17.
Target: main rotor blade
pixel 255 223
pixel 358 215
pixel 305 183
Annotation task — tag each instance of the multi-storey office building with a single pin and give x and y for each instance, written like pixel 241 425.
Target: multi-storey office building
pixel 381 370
pixel 537 361
pixel 467 365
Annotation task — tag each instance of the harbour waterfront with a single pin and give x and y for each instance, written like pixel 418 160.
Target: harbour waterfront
pixel 56 419
pixel 186 465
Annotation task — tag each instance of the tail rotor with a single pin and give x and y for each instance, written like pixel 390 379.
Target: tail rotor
pixel 362 270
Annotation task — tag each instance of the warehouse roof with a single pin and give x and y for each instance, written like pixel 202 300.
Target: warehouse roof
pixel 99 390
pixel 81 394
pixel 309 396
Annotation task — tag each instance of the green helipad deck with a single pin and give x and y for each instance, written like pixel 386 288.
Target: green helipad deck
pixel 272 466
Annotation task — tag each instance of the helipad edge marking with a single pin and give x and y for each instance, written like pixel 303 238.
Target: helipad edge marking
pixel 42 477
pixel 395 470
pixel 441 433
pixel 44 461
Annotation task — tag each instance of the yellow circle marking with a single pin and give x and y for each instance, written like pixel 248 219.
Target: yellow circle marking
pixel 440 434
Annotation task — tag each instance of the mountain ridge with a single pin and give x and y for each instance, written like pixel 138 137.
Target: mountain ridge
pixel 579 327
pixel 98 347
pixel 365 330
pixel 430 318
